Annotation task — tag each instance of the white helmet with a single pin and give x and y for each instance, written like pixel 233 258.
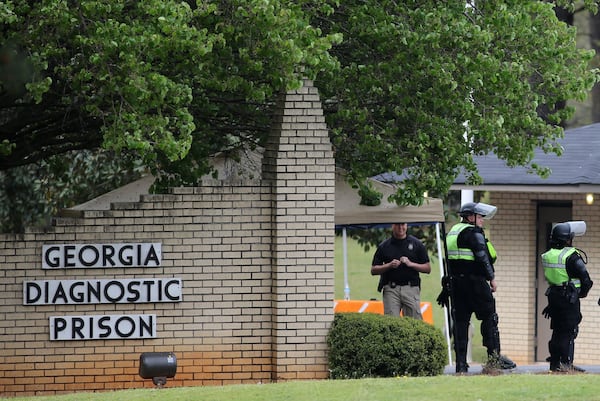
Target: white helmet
pixel 480 208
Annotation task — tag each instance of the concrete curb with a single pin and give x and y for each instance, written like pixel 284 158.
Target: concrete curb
pixel 541 368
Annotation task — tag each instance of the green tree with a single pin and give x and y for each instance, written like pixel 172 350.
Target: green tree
pixel 414 86
pixel 161 84
pixel 171 82
pixel 425 85
pixel 31 194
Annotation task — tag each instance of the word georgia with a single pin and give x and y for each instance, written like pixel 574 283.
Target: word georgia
pixel 61 256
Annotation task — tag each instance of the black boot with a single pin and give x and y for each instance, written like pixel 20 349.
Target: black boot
pixel 499 361
pixel 462 367
pixel 565 368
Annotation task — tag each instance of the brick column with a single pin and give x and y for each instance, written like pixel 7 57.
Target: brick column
pixel 299 166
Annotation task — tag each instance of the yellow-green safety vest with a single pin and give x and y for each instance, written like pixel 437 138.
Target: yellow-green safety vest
pixel 456 253
pixel 554 263
pixel 492 251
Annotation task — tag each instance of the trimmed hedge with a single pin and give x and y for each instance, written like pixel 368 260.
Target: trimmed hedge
pixel 371 345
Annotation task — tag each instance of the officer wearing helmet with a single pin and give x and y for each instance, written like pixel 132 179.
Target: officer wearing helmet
pixel 472 278
pixel 568 281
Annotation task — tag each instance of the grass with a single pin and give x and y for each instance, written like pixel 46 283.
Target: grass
pixel 364 286
pixel 514 387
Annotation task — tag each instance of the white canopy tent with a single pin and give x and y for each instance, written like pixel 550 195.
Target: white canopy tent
pixel 349 212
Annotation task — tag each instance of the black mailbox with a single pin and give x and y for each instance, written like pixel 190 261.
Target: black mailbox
pixel 158 366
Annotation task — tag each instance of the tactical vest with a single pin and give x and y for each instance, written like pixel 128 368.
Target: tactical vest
pixel 454 252
pixel 554 263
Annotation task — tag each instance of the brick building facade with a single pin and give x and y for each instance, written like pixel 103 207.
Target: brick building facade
pixel 514 231
pixel 255 263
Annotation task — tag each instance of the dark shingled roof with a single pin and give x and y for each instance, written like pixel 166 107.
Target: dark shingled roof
pixel 578 166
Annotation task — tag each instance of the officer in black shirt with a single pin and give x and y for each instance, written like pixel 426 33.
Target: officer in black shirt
pixel 399 260
pixel 473 283
pixel 568 280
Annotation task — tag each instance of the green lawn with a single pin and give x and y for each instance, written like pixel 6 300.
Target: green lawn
pixel 363 286
pixel 512 387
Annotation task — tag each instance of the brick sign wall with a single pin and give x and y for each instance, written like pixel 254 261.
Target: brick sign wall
pixel 235 278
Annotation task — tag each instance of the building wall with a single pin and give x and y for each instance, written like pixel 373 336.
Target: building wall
pixel 256 262
pixel 513 232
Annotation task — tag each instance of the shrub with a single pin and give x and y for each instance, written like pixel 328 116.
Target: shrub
pixel 372 345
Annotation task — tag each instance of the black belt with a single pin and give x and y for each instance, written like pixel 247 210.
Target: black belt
pixel 401 283
pixel 557 288
pixel 463 275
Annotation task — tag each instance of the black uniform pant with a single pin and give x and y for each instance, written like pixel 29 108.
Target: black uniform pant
pixel 472 294
pixel 565 316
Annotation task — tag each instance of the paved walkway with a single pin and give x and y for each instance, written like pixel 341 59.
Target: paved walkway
pixel 476 369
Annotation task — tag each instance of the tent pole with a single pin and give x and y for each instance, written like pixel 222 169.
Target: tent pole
pixel 442 273
pixel 346 286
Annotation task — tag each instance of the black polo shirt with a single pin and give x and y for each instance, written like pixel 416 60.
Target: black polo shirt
pixel 394 248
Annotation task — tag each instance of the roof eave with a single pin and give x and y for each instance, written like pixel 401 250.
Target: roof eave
pixel 580 188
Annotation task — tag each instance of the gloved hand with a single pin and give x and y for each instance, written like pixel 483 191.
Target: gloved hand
pixel 572 293
pixel 547 312
pixel 444 298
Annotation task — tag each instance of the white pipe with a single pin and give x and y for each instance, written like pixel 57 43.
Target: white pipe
pixel 466 195
pixel 441 263
pixel 345 249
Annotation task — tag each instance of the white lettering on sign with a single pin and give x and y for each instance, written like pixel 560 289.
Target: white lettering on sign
pixel 106 291
pixel 71 256
pixel 102 327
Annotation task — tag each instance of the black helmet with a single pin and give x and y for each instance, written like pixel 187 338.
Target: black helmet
pixel 467 209
pixel 561 233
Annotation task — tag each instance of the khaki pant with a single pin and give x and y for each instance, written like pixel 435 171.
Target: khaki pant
pixel 403 298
